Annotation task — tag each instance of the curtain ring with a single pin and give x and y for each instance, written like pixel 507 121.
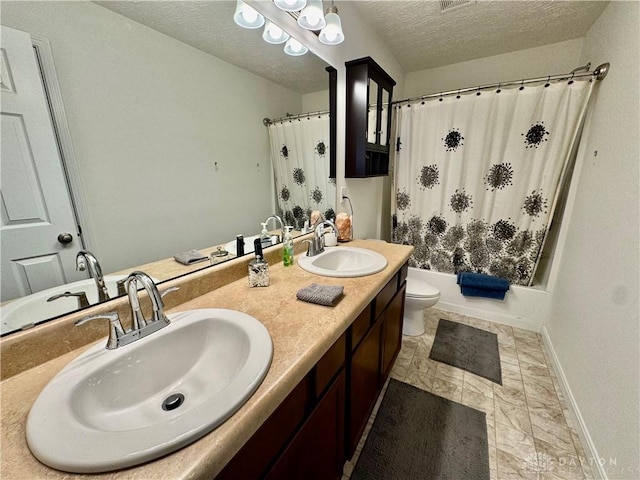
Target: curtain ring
pixel 573 74
pixel 521 85
pixel 478 92
pixel 440 99
pixel 547 84
pixel 458 96
pixel 499 85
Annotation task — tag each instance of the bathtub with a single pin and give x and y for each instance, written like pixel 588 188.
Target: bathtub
pixel 523 307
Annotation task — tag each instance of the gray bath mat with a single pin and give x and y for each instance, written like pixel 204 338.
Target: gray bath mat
pixel 468 348
pixel 419 436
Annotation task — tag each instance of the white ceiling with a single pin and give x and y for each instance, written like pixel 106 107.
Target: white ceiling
pixel 418 34
pixel 421 36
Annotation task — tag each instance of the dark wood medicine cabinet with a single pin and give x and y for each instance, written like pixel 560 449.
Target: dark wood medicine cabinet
pixel 368 123
pixel 368 120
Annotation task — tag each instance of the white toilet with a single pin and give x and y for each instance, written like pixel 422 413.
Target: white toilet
pixel 420 295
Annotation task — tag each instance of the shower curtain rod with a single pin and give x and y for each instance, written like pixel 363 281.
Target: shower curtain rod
pixel 267 121
pixel 599 74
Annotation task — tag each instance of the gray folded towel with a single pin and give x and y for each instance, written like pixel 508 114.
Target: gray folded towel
pixel 187 258
pixel 320 294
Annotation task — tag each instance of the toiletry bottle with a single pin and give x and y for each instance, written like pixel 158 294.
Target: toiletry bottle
pixel 239 245
pixel 258 268
pixel 265 239
pixel 287 247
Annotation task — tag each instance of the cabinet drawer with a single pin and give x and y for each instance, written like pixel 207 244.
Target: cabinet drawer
pixel 360 326
pixel 329 365
pixel 253 459
pixel 385 296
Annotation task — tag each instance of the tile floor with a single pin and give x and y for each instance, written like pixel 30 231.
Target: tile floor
pixel 529 427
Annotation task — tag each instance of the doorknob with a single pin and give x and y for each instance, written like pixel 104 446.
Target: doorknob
pixel 65 238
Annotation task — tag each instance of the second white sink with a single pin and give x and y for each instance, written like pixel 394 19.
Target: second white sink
pixel 344 262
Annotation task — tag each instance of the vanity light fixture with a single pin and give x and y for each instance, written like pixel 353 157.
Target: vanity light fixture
pixel 274 34
pixel 247 16
pixel 312 17
pixel 332 34
pixel 294 48
pixel 290 5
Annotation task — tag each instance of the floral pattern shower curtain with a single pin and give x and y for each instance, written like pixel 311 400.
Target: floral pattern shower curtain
pixel 300 158
pixel 477 175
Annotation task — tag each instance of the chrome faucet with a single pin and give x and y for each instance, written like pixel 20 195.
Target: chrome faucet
pixel 131 285
pixel 281 225
pixel 141 327
pixel 85 260
pixel 316 244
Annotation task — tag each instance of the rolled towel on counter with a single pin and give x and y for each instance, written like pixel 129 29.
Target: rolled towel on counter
pixel 482 285
pixel 320 294
pixel 187 258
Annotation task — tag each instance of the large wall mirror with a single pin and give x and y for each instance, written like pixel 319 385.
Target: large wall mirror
pixel 164 104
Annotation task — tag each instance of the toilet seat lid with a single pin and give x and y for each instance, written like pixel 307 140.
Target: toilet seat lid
pixel 418 288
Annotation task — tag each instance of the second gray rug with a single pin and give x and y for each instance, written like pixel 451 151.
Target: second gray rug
pixel 468 348
pixel 417 435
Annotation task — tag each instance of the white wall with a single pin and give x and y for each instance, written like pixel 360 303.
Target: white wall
pixel 559 57
pixel 316 102
pixel 149 117
pixel 593 326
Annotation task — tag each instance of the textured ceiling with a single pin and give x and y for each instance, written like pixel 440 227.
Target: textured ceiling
pixel 418 34
pixel 421 36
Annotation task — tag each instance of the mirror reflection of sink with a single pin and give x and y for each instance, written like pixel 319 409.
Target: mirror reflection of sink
pixel 34 308
pixel 248 245
pixel 111 409
pixel 344 262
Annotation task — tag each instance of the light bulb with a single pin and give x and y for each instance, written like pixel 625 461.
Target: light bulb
pixel 249 14
pixel 294 48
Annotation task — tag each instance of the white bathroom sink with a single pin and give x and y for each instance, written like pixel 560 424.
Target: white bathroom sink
pixel 34 308
pixel 104 411
pixel 344 262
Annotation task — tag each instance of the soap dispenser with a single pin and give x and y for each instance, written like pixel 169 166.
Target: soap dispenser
pixel 258 268
pixel 265 238
pixel 287 247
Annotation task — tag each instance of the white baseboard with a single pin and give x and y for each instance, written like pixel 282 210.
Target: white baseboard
pixel 583 432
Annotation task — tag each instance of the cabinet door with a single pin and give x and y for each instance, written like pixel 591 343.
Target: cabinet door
pixel 317 451
pixel 392 332
pixel 364 386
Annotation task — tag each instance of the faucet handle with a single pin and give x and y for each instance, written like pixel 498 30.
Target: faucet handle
pixel 122 290
pixel 115 327
pixel 168 290
pixel 81 296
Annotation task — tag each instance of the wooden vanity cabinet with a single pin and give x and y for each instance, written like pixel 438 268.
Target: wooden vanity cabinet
pixel 318 426
pixel 372 357
pixel 304 437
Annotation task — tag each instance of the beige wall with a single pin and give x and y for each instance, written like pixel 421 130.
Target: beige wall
pixel 149 117
pixel 593 325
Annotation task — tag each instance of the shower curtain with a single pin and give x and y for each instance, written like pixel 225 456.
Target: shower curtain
pixel 300 158
pixel 477 175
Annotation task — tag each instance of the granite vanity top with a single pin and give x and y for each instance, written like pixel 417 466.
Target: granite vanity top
pixel 301 333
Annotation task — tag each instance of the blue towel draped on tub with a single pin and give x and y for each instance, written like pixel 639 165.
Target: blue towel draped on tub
pixel 481 285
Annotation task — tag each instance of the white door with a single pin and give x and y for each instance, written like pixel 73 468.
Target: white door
pixel 37 215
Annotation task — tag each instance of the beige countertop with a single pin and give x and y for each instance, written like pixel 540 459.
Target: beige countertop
pixel 301 333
